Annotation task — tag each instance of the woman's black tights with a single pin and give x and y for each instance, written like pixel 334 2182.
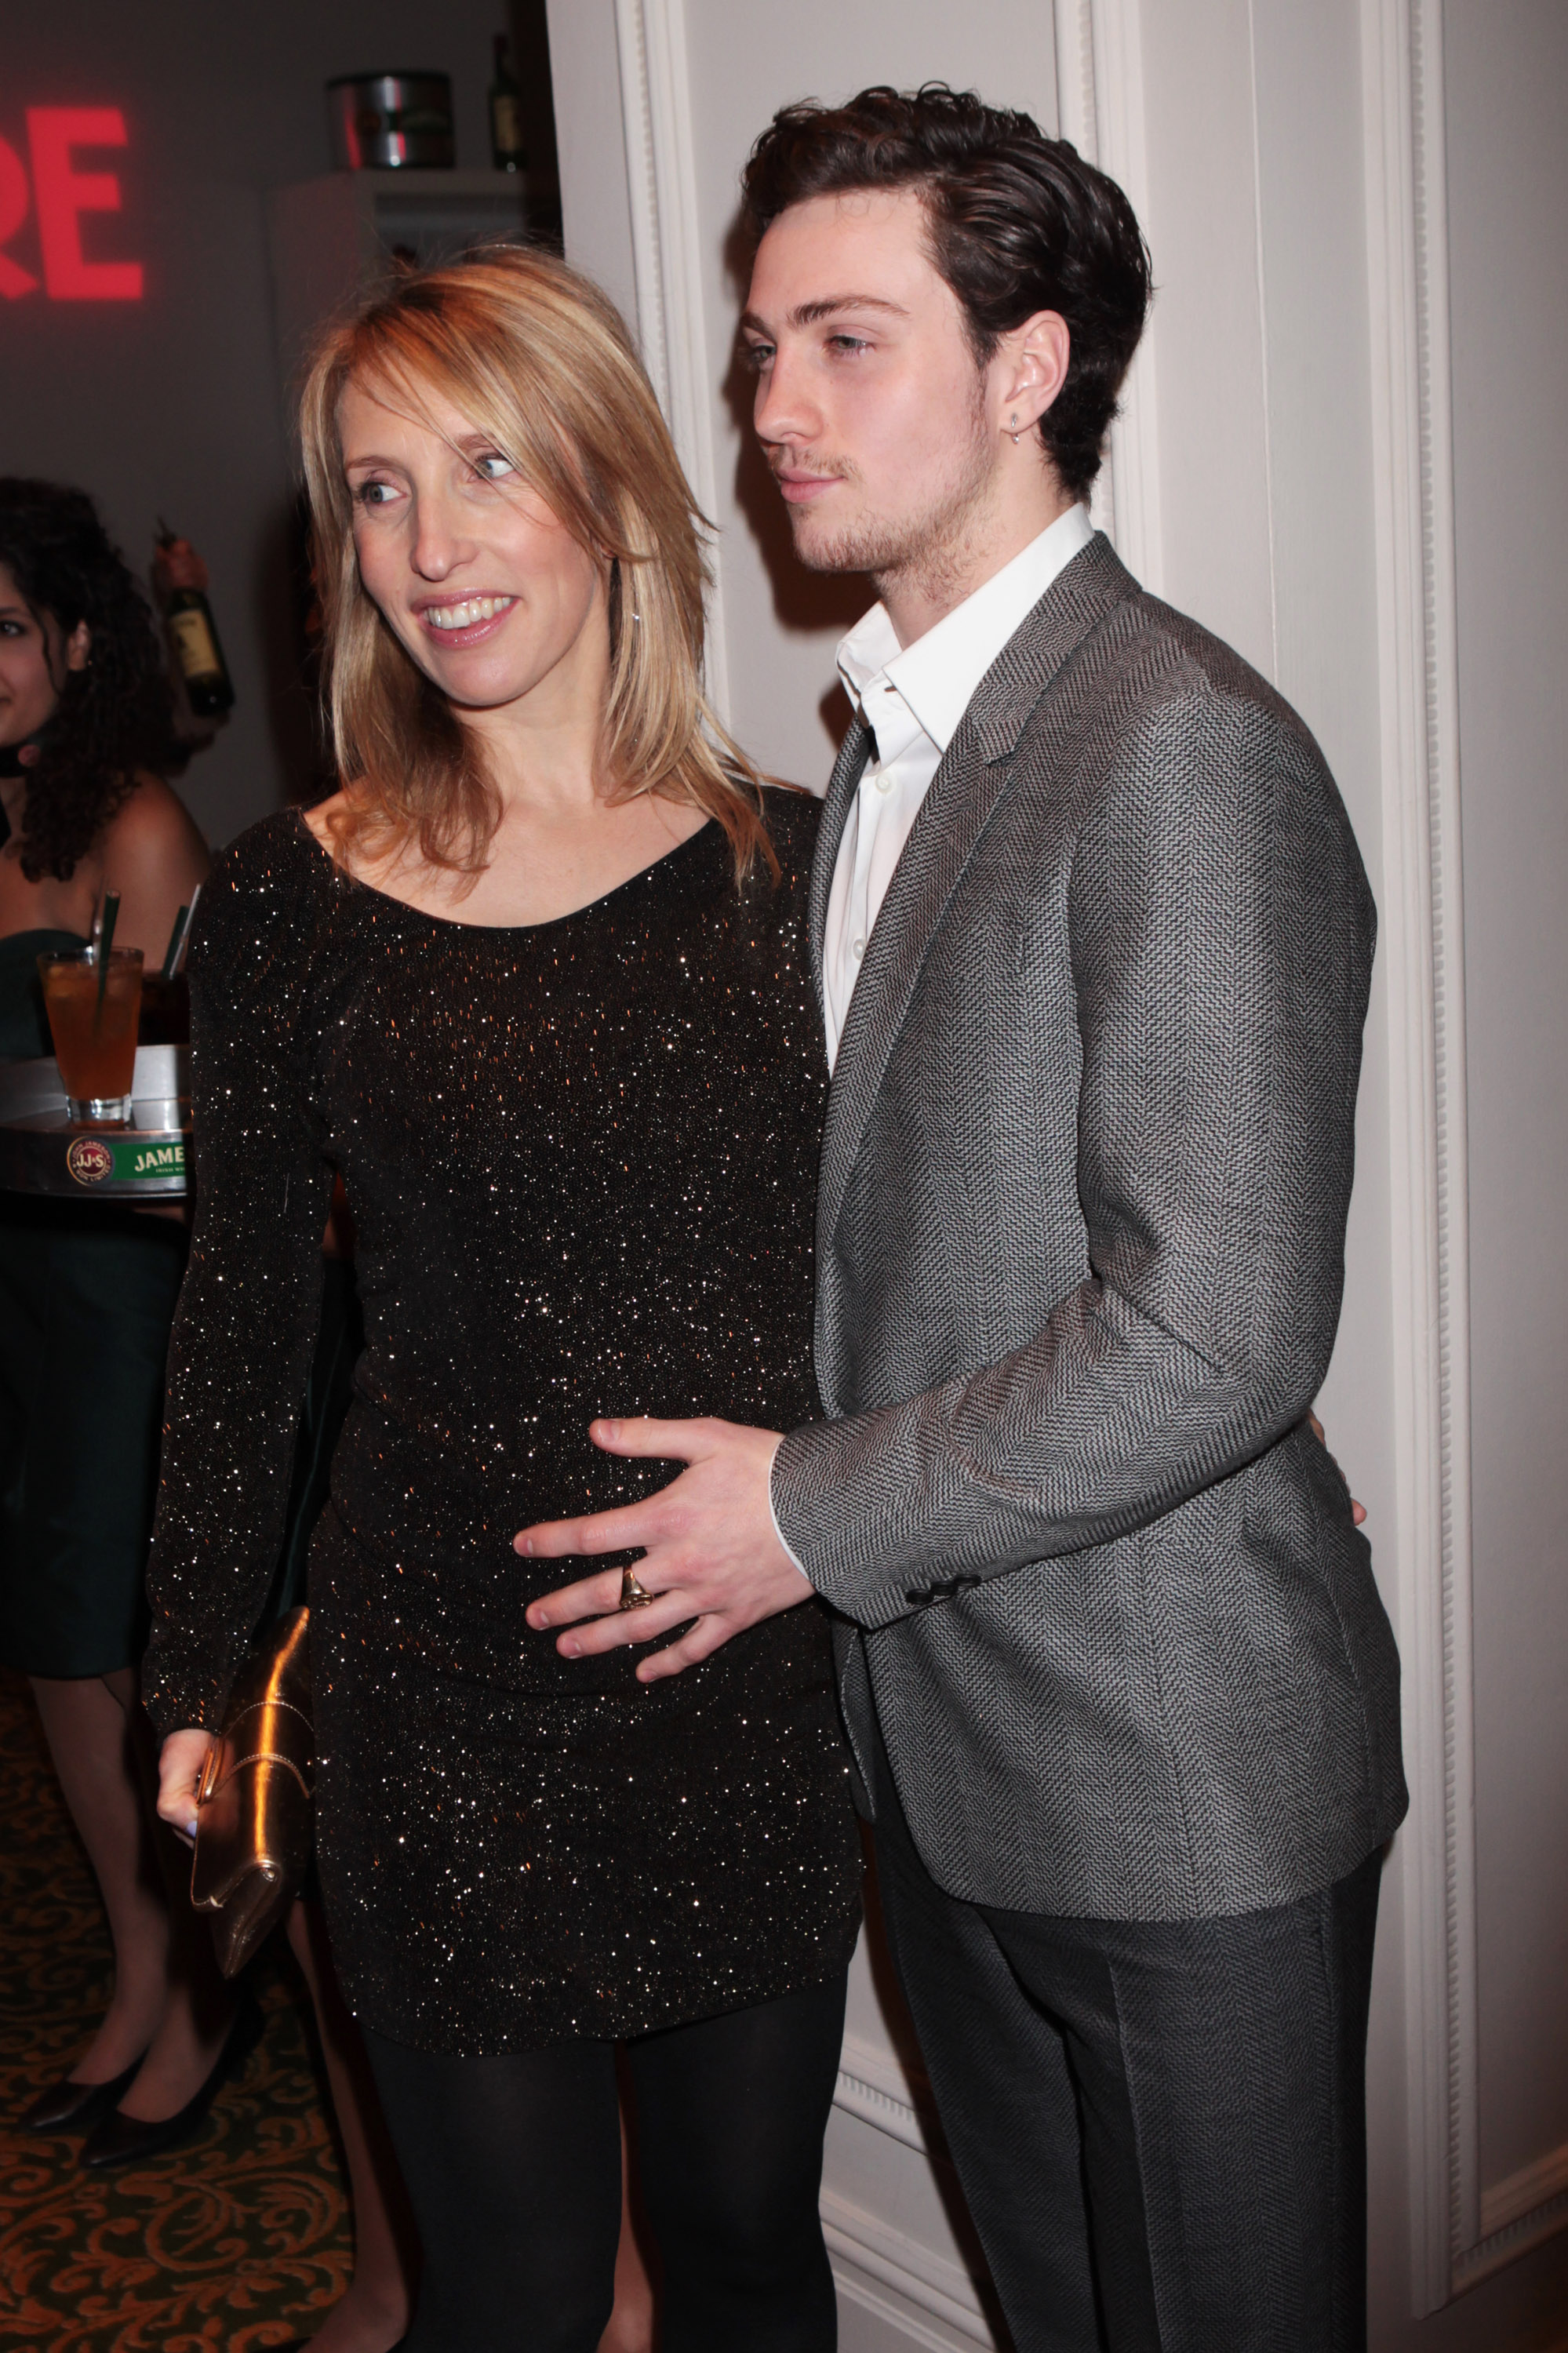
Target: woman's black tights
pixel 513 2166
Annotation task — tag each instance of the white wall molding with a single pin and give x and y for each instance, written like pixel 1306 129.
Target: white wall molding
pixel 866 2250
pixel 1423 977
pixel 1100 95
pixel 666 250
pixel 872 2087
pixel 1536 2196
pixel 1459 2236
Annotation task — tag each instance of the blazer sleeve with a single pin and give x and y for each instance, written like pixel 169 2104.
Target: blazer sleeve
pixel 1221 932
pixel 245 1328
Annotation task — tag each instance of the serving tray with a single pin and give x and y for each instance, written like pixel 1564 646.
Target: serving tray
pixel 42 1150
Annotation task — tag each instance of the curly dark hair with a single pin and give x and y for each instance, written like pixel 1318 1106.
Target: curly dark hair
pixel 1019 223
pixel 112 718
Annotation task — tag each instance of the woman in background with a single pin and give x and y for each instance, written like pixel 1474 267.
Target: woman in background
pixel 87 1295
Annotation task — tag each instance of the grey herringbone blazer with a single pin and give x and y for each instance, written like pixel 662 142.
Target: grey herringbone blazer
pixel 1080 1255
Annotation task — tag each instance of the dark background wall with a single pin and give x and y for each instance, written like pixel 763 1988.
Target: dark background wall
pixel 174 404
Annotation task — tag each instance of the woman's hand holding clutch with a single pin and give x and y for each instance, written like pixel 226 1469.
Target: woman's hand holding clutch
pixel 180 1763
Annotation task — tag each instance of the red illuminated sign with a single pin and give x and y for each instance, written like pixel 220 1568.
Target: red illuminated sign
pixel 61 194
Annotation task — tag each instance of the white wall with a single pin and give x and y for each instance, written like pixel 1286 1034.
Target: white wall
pixel 1286 471
pixel 1506 78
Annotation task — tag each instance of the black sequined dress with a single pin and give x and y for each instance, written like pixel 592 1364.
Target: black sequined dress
pixel 581 1159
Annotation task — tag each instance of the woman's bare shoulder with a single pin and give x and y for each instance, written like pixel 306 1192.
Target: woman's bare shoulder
pixel 154 823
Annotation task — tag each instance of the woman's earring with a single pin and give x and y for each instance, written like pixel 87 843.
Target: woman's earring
pixel 1012 421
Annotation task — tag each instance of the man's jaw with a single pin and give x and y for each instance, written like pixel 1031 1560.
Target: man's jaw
pixel 926 560
pixel 921 566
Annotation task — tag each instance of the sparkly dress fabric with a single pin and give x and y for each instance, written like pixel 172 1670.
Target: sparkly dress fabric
pixel 581 1160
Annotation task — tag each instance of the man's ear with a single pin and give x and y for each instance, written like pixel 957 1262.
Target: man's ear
pixel 1029 367
pixel 79 646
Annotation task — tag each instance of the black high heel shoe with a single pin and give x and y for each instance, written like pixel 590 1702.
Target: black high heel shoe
pixel 118 2139
pixel 71 2108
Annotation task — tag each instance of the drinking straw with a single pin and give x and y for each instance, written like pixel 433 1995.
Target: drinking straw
pixel 105 942
pixel 177 942
pixel 179 938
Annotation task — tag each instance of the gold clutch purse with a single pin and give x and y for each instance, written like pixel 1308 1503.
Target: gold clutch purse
pixel 256 1797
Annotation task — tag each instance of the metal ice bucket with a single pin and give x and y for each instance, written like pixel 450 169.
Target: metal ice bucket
pixel 391 121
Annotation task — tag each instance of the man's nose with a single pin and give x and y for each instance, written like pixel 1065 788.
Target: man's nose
pixel 786 408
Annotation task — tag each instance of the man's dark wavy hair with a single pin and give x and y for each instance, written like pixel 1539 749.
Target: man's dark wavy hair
pixel 1019 223
pixel 114 717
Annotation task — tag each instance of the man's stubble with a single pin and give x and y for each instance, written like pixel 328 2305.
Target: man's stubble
pixel 929 553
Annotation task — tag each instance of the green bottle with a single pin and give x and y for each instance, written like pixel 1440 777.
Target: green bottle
pixel 506 114
pixel 208 687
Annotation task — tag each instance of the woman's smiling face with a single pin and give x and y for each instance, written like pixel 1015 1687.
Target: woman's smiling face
pixel 490 593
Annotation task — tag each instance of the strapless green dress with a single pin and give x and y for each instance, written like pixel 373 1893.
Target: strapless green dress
pixel 87 1297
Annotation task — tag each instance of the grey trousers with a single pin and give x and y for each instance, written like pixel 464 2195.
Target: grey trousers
pixel 1160 2127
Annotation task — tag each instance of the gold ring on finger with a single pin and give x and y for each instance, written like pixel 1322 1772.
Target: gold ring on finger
pixel 633 1596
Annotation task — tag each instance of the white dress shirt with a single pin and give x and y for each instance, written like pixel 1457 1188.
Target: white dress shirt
pixel 912 699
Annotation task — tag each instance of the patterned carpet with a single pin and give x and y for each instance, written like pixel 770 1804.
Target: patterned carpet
pixel 239 2240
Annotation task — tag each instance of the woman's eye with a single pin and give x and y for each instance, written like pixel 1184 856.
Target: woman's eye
pixel 493 466
pixel 375 494
pixel 758 357
pixel 847 343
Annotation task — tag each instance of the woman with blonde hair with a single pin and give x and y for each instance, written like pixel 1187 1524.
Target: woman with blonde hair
pixel 533 982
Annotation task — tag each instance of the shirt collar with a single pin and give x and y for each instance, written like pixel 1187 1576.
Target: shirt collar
pixel 925 688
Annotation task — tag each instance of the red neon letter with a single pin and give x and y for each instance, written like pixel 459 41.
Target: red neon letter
pixel 64 195
pixel 13 279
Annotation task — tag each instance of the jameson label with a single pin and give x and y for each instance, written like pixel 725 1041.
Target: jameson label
pixel 132 1159
pixel 166 1159
pixel 194 644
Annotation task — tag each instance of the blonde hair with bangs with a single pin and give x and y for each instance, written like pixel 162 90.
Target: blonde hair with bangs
pixel 539 360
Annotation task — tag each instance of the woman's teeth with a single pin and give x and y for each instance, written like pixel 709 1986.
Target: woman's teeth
pixel 464 616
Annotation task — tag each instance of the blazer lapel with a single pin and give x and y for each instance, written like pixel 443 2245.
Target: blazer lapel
pixel 953 816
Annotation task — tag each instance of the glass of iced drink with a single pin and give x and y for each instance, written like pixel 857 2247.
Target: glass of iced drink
pixel 93 1020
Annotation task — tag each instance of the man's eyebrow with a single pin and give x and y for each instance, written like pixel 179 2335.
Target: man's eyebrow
pixel 811 314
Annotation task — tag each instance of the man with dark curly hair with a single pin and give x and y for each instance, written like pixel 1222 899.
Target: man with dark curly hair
pixel 1094 946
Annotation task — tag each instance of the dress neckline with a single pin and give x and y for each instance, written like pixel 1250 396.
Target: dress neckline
pixel 500 931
